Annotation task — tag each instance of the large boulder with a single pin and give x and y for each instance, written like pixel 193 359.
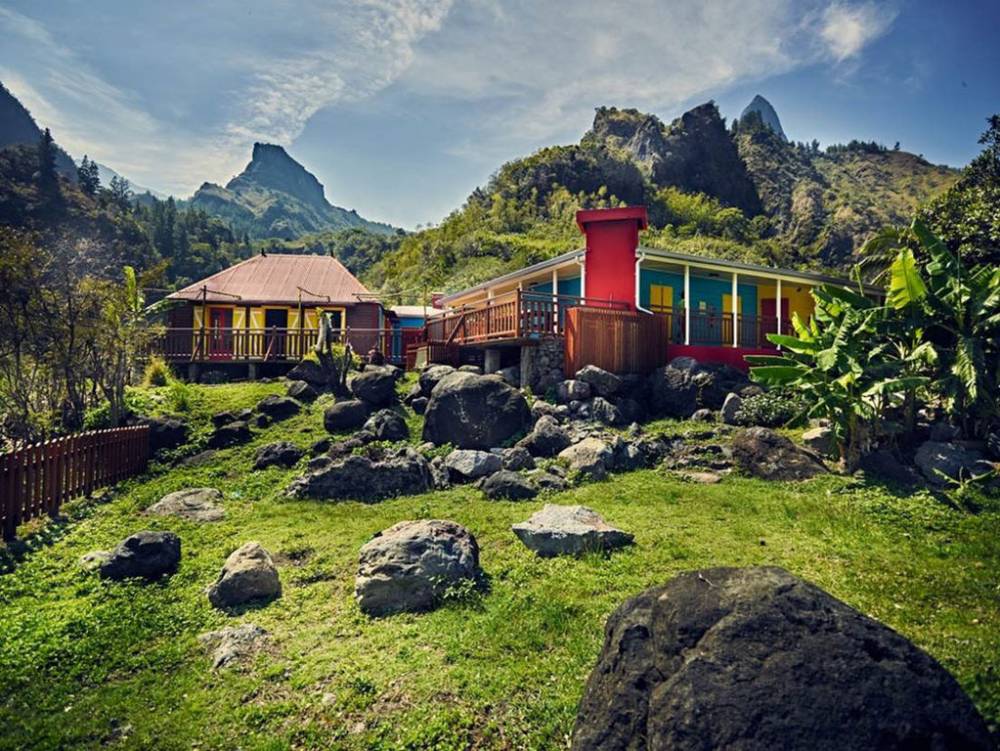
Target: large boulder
pixel 760 452
pixel 248 575
pixel 684 385
pixel 569 530
pixel 591 457
pixel 145 555
pixel 601 382
pixel 278 407
pixel 471 464
pixel 940 462
pixel 230 434
pixel 360 478
pixel 430 377
pixel 349 414
pixel 165 433
pixel 195 504
pixel 280 454
pixel 507 485
pixel 409 566
pixel 387 425
pixel 547 438
pixel 474 412
pixel 756 658
pixel 374 386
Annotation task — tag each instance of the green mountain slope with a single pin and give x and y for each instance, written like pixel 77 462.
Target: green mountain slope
pixel 744 193
pixel 277 197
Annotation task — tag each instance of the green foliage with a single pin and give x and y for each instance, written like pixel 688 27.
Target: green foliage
pixel 157 372
pixel 772 409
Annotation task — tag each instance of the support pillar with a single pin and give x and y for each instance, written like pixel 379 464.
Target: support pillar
pixel 736 310
pixel 193 372
pixel 687 304
pixel 491 361
pixel 777 306
pixel 253 370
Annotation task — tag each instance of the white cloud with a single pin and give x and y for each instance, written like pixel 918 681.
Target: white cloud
pixel 847 29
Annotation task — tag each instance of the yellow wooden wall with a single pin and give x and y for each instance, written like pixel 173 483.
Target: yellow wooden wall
pixel 256 321
pixel 796 296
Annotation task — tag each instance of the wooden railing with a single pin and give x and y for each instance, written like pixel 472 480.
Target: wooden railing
pixel 618 341
pixel 271 344
pixel 716 329
pixel 38 479
pixel 511 316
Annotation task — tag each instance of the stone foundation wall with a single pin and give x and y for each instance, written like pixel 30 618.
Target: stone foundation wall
pixel 542 364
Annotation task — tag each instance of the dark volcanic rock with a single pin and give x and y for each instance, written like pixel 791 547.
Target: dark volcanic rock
pixel 144 555
pixel 430 377
pixel 508 486
pixel 474 412
pixel 547 438
pixel 388 425
pixel 601 382
pixel 311 373
pixel 375 386
pixel 281 454
pixel 758 659
pixel 230 434
pixel 165 433
pixel 761 452
pixel 684 385
pixel 278 407
pixel 360 478
pixel 349 414
pixel 302 391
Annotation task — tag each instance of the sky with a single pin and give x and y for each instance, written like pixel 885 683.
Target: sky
pixel 402 107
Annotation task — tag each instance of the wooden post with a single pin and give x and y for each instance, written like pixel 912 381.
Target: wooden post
pixel 555 301
pixel 736 310
pixel 687 304
pixel 777 306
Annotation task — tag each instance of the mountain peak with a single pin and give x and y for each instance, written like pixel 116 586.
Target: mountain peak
pixel 767 113
pixel 272 168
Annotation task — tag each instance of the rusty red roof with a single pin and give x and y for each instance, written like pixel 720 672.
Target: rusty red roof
pixel 277 278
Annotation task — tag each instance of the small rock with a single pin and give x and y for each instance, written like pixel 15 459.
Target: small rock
pixel 605 412
pixel 474 369
pixel 248 575
pixel 260 421
pixel 196 504
pixel 419 404
pixel 94 559
pixel 730 408
pixel 590 457
pixel 349 414
pixel 230 434
pixel 233 644
pixel 302 391
pixel 602 382
pixel 517 458
pixel 376 387
pixel 508 485
pixel 701 478
pixel 547 438
pixel 359 478
pixel 569 530
pixel 430 377
pixel 469 464
pixel 278 407
pixel 223 418
pixel 548 481
pixel 388 425
pixel 821 440
pixel 144 555
pixel 954 462
pixel 760 452
pixel 165 433
pixel 320 447
pixel 703 415
pixel 281 454
pixel 572 391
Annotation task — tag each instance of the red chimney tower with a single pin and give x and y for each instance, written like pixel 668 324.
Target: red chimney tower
pixel 612 239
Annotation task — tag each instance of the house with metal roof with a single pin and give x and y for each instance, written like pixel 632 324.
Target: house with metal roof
pixel 266 309
pixel 623 306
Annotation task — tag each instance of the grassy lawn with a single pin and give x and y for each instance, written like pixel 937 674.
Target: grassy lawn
pixel 86 663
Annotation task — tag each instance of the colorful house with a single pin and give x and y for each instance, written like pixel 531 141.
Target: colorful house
pixel 665 303
pixel 265 310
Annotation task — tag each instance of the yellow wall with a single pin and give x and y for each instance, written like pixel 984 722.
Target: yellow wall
pixel 795 296
pixel 256 321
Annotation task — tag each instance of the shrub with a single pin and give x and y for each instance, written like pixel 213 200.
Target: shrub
pixel 157 373
pixel 772 409
pixel 180 396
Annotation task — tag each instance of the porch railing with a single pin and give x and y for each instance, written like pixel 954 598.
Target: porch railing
pixel 515 315
pixel 716 329
pixel 263 345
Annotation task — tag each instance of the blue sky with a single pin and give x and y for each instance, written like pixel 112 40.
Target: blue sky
pixel 402 107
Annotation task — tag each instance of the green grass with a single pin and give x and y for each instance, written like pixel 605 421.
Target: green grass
pixel 503 669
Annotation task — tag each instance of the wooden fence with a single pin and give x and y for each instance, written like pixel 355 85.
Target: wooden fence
pixel 38 479
pixel 618 341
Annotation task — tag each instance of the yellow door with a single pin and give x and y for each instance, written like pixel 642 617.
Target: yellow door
pixel 661 298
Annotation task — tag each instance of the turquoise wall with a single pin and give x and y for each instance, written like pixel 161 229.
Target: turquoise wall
pixel 566 287
pixel 409 322
pixel 709 291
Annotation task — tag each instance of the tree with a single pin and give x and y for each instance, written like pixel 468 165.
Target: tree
pixel 120 192
pixel 48 179
pixel 89 176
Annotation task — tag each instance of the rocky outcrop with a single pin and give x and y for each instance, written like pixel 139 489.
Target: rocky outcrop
pixel 685 385
pixel 411 565
pixel 474 412
pixel 760 452
pixel 569 530
pixel 195 504
pixel 758 659
pixel 362 479
pixel 248 575
pixel 145 555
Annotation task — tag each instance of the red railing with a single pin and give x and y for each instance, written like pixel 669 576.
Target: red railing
pixel 272 344
pixel 38 479
pixel 511 316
